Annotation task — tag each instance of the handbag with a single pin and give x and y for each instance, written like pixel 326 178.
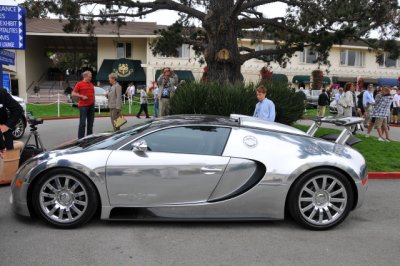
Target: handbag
pixel 120 121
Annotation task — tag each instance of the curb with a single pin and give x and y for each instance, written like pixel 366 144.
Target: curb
pixel 384 175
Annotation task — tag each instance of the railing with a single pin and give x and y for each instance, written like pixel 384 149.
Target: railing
pixel 35 83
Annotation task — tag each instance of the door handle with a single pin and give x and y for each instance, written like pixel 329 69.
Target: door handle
pixel 210 170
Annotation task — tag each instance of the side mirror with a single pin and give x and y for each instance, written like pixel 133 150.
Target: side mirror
pixel 139 146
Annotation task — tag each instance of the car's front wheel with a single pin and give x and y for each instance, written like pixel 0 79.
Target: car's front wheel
pixel 19 129
pixel 321 199
pixel 64 198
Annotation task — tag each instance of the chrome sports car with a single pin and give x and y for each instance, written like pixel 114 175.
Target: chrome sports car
pixel 195 168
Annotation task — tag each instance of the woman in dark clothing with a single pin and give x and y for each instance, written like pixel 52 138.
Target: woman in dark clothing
pixel 10 113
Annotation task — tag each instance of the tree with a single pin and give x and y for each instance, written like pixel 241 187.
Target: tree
pixel 213 27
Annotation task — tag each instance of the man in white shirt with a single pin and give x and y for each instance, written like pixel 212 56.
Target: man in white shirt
pixel 396 107
pixel 368 102
pixel 130 91
pixel 265 108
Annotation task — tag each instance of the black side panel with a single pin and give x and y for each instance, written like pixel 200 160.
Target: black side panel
pixel 253 180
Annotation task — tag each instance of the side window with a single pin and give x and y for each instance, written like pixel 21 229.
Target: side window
pixel 204 140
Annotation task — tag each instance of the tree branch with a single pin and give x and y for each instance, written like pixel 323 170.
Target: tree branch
pixel 236 8
pixel 249 23
pixel 256 54
pixel 154 5
pixel 246 49
pixel 257 3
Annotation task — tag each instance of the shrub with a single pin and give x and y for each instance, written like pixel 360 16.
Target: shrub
pixel 226 99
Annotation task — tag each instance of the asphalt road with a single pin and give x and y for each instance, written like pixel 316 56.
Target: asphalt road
pixel 369 236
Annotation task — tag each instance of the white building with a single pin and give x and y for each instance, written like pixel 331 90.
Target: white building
pixel 130 48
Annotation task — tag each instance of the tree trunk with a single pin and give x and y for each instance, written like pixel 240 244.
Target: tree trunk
pixel 222 54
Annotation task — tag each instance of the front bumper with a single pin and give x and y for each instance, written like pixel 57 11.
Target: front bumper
pixel 18 200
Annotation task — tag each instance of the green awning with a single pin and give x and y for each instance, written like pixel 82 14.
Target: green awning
pixel 344 79
pixel 182 75
pixel 126 69
pixel 280 77
pixel 326 81
pixel 301 79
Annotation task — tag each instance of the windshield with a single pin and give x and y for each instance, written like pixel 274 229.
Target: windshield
pixel 119 136
pixel 316 92
pixel 99 91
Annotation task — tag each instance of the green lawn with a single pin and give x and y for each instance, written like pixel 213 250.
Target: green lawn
pixel 312 112
pixel 66 110
pixel 380 156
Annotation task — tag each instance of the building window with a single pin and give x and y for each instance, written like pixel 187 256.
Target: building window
pixel 352 58
pixel 308 56
pixel 182 52
pixel 261 47
pixel 124 50
pixel 388 62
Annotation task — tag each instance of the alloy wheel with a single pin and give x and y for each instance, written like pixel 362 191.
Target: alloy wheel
pixel 63 198
pixel 322 200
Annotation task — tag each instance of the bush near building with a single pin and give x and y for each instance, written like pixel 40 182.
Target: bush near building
pixel 225 99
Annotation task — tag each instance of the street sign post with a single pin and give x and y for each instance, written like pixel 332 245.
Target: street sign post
pixel 12 35
pixel 7 57
pixel 7 82
pixel 12 27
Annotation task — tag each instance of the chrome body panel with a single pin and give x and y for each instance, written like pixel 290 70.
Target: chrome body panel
pixel 189 186
pixel 92 164
pixel 156 178
pixel 253 122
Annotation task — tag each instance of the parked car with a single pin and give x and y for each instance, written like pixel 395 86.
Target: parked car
pixel 100 99
pixel 312 97
pixel 20 127
pixel 332 107
pixel 195 168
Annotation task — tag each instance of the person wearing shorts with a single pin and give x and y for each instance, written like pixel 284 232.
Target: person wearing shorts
pixel 381 113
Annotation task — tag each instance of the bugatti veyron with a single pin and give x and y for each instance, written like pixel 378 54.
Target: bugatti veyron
pixel 196 168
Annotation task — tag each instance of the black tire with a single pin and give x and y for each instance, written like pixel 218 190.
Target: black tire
pixel 19 129
pixel 331 201
pixel 64 204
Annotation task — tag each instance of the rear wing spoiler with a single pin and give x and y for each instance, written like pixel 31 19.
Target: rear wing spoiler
pixel 347 122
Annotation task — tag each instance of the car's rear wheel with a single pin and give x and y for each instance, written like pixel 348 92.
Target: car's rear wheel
pixel 19 129
pixel 321 199
pixel 64 198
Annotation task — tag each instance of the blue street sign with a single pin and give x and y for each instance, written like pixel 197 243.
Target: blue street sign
pixel 7 82
pixel 7 57
pixel 12 27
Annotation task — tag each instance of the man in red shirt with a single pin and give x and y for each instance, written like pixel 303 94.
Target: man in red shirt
pixel 84 90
